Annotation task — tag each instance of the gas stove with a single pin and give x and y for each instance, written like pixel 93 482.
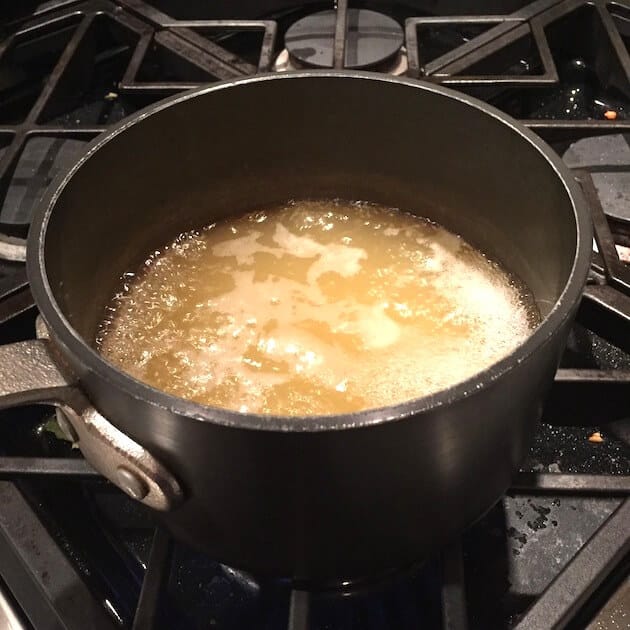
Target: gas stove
pixel 77 553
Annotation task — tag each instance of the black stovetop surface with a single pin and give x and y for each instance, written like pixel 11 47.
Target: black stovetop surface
pixel 76 553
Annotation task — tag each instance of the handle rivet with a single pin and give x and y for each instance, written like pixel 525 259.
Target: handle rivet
pixel 131 483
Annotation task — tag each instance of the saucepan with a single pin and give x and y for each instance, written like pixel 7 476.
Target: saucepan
pixel 313 498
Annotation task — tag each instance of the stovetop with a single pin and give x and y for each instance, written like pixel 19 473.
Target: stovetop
pixel 76 553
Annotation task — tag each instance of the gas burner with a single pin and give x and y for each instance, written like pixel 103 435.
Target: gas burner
pixel 397 67
pixel 607 159
pixel 374 41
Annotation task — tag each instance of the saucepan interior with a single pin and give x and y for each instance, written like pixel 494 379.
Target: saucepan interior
pixel 232 148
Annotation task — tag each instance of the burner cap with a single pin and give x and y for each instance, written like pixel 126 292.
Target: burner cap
pixel 372 38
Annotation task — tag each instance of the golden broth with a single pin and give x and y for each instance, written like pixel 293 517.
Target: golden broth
pixel 314 307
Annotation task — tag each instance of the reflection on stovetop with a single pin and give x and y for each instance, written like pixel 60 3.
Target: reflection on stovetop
pixel 76 550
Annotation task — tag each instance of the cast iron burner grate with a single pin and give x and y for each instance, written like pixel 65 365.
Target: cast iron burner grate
pixel 75 67
pixel 71 68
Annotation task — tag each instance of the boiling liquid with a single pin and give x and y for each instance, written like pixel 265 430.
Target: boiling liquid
pixel 315 307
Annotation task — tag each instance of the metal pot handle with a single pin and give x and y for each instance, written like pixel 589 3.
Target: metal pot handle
pixel 29 374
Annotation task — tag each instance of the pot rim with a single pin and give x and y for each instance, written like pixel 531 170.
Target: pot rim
pixel 72 343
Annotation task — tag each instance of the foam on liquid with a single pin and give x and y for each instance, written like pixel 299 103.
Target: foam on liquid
pixel 315 307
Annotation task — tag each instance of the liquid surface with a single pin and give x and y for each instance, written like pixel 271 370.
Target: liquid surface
pixel 314 308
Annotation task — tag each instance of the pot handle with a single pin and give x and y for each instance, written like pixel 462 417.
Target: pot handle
pixel 29 374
